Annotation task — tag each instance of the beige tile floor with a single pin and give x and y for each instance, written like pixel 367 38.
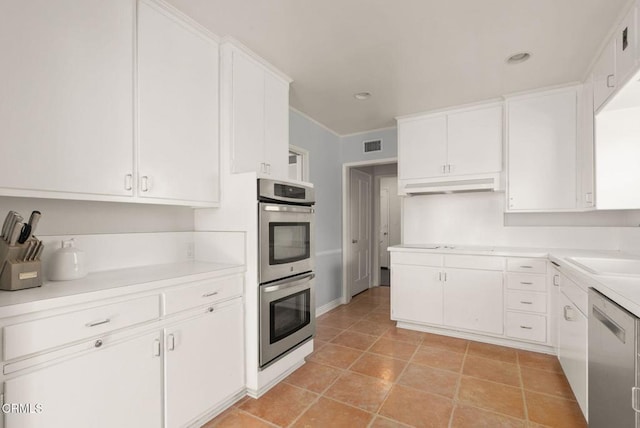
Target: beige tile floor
pixel 365 372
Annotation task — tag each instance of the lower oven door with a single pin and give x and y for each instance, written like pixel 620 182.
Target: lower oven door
pixel 287 316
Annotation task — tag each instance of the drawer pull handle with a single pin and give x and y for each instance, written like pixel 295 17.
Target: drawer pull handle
pixel 526 303
pixel 526 283
pixel 526 267
pixel 98 343
pixel 526 327
pixel 210 294
pixel 96 323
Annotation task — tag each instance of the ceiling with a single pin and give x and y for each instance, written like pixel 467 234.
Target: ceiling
pixel 412 55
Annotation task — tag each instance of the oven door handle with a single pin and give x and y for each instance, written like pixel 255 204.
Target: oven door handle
pixel 289 282
pixel 288 209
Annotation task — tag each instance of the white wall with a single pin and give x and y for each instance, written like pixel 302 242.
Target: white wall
pixel 62 217
pixel 326 175
pixel 479 219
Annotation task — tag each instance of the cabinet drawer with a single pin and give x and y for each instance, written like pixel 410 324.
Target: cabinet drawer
pixel 527 326
pixel 526 265
pixel 45 333
pixel 527 301
pixel 201 293
pixel 523 281
pixel 474 262
pixel 420 259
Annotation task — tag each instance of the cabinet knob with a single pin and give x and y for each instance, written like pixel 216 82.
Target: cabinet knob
pixel 354 241
pixel 98 343
pixel 210 309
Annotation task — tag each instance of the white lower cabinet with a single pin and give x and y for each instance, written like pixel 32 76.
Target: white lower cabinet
pixel 129 361
pixel 416 294
pixel 473 300
pixel 496 296
pixel 117 385
pixel 572 344
pixel 460 298
pixel 204 362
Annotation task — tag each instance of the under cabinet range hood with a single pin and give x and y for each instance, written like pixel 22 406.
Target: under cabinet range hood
pixel 461 184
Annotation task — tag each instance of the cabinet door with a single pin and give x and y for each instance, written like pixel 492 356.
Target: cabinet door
pixel 473 300
pixel 604 75
pixel 542 152
pixel 66 105
pixel 114 386
pixel 416 294
pixel 276 126
pixel 572 348
pixel 178 108
pixel 626 45
pixel 247 117
pixel 586 149
pixel 475 141
pixel 204 363
pixel 422 147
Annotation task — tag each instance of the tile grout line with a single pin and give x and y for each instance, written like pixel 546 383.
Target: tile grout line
pixel 524 396
pixel 459 384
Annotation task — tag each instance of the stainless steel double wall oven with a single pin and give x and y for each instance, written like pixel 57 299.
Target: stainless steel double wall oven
pixel 287 262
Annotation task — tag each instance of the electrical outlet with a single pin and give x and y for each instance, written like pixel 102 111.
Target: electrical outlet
pixel 191 250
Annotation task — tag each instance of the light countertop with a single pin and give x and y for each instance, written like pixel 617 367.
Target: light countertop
pixel 112 283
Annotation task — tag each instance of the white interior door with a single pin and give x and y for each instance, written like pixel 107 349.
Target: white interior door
pixel 360 228
pixel 384 228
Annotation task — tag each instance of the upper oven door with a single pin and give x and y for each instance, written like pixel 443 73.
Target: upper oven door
pixel 286 240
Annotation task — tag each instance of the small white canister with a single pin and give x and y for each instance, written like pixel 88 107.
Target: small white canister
pixel 67 263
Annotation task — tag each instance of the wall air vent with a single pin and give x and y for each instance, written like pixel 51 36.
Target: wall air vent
pixel 372 146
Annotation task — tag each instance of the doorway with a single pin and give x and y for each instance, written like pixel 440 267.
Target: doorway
pixel 364 240
pixel 389 226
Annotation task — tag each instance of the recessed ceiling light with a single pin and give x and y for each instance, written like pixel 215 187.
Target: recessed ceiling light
pixel 518 58
pixel 362 96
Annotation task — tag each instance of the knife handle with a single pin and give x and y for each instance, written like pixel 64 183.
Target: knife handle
pixel 25 233
pixel 15 233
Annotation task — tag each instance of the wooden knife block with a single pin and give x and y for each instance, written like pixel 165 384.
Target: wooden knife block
pixel 16 274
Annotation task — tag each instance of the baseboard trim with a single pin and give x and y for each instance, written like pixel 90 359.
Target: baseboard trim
pixel 510 343
pixel 203 419
pixel 257 393
pixel 329 306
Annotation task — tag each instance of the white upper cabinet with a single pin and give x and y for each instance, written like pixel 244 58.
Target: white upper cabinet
pixel 626 46
pixel 276 125
pixel 604 75
pixel 66 103
pixel 617 61
pixel 451 144
pixel 586 149
pixel 475 141
pixel 178 108
pixel 422 148
pixel 257 111
pixel 542 151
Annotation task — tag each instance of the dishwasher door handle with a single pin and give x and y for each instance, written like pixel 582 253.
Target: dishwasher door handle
pixel 610 324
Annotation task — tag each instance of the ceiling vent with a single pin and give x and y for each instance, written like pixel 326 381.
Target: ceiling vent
pixel 372 146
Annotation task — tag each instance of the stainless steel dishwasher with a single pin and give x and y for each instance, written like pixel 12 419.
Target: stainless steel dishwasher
pixel 613 365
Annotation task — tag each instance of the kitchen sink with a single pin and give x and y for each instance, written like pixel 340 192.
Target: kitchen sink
pixel 608 266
